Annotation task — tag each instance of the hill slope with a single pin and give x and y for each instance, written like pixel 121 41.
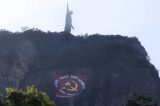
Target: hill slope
pixel 114 66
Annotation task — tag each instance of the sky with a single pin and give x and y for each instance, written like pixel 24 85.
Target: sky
pixel 140 18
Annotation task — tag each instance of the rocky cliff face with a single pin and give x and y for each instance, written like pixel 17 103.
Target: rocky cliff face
pixel 114 66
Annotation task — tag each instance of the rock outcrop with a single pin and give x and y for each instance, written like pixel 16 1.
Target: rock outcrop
pixel 115 66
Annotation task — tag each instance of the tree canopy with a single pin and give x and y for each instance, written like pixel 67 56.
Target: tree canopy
pixel 29 97
pixel 140 100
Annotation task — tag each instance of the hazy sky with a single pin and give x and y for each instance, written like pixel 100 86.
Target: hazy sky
pixel 140 18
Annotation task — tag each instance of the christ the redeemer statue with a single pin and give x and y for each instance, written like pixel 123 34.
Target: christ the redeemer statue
pixel 68 23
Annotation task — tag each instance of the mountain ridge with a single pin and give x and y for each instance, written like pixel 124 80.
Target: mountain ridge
pixel 115 65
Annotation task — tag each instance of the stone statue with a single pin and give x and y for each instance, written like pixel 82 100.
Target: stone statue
pixel 68 24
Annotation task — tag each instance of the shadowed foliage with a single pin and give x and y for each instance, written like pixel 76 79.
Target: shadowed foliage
pixel 140 100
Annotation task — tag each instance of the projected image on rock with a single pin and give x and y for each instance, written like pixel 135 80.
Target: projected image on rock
pixel 69 85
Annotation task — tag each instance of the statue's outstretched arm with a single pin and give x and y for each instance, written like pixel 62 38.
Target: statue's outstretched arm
pixel 72 27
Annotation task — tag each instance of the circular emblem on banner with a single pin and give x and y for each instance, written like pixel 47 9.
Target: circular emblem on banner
pixel 69 85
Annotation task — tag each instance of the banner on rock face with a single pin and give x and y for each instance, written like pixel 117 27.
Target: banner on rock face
pixel 69 85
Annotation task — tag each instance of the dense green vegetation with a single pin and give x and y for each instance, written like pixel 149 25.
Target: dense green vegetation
pixel 29 97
